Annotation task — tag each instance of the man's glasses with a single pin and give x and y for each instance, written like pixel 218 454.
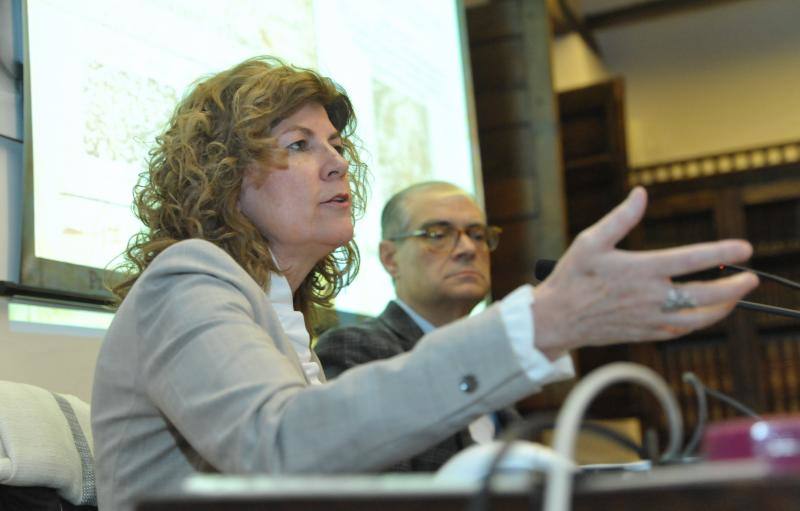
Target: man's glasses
pixel 445 236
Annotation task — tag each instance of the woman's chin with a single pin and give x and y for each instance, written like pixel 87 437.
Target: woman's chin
pixel 331 243
pixel 345 236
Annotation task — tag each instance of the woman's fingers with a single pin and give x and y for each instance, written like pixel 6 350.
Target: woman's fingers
pixel 687 320
pixel 691 258
pixel 713 301
pixel 598 295
pixel 610 229
pixel 725 289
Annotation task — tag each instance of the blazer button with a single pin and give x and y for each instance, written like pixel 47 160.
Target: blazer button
pixel 468 384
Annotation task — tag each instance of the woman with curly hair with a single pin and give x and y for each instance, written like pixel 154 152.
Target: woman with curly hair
pixel 249 200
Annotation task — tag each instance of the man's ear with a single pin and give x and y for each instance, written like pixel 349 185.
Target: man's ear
pixel 388 253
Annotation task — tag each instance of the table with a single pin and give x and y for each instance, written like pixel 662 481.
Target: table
pixel 717 486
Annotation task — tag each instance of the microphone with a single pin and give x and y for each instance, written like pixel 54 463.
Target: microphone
pixel 544 267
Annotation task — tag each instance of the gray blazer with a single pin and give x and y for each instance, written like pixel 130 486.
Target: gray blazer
pixel 196 375
pixel 392 333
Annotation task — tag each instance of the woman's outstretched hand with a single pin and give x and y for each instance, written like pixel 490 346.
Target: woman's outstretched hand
pixel 598 294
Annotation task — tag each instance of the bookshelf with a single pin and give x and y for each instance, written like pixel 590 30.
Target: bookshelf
pixel 752 193
pixel 752 356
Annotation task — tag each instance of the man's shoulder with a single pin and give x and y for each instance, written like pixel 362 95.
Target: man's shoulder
pixel 391 333
pixel 369 329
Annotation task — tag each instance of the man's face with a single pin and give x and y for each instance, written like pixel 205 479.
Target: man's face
pixel 426 277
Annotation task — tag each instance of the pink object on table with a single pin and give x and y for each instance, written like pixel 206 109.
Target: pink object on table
pixel 775 440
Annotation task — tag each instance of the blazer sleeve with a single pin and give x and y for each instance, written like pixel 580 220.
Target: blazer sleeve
pixel 215 371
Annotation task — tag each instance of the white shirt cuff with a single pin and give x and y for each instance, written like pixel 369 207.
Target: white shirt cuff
pixel 518 320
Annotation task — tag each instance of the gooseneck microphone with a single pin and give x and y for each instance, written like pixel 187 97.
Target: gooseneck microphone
pixel 544 267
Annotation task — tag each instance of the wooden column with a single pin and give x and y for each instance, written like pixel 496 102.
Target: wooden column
pixel 519 135
pixel 549 229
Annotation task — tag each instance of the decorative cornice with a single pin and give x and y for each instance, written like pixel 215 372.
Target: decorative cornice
pixel 716 164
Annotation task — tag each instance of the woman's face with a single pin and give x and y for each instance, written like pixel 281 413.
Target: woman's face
pixel 302 209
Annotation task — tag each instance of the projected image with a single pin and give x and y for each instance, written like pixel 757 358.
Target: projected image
pixel 403 137
pixel 121 111
pixel 121 67
pixel 89 150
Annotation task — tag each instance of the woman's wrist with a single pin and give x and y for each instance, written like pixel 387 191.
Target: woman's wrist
pixel 549 323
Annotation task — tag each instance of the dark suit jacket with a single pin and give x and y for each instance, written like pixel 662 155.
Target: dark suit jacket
pixel 392 333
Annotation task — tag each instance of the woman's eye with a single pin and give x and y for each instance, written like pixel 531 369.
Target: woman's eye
pixel 300 145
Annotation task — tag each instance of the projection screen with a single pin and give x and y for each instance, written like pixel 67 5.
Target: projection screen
pixel 102 76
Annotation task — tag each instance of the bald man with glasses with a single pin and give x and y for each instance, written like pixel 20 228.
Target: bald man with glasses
pixel 435 245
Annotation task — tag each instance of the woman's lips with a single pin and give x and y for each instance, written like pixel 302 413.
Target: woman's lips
pixel 339 200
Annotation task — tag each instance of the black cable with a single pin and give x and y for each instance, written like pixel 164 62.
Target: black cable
pixel 768 309
pixel 761 307
pixel 532 428
pixel 701 390
pixel 733 403
pixel 763 274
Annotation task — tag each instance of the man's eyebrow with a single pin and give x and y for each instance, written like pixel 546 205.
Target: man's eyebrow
pixel 431 223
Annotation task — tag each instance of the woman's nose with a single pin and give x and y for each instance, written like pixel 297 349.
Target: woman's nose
pixel 337 165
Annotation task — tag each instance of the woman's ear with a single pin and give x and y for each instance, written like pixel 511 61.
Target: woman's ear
pixel 388 252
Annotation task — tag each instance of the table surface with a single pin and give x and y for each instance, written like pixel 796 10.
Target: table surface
pixel 701 487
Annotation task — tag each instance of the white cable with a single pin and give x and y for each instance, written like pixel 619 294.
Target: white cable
pixel 558 491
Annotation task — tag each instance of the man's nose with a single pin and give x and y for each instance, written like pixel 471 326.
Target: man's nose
pixel 465 246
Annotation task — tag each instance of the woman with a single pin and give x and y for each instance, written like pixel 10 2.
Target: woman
pixel 249 199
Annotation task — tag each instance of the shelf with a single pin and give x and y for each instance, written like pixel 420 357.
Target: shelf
pixel 779 248
pixel 588 161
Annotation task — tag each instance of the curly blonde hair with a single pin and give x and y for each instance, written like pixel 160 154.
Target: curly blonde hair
pixel 194 174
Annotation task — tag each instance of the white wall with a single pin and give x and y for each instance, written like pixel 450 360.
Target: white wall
pixel 575 65
pixel 50 357
pixel 54 358
pixel 700 81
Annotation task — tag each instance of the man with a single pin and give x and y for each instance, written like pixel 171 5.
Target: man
pixel 436 248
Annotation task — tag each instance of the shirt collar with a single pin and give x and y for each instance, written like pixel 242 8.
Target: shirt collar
pixel 280 294
pixel 279 290
pixel 423 324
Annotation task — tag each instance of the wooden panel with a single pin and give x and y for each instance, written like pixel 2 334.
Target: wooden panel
pixel 781 365
pixel 756 358
pixel 595 162
pixel 582 134
pixel 679 229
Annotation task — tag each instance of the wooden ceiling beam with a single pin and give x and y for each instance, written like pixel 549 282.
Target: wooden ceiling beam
pixel 643 11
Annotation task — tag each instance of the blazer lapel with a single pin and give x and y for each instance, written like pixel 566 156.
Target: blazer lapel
pixel 395 319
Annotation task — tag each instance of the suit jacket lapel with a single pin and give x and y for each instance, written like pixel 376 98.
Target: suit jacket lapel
pixel 396 320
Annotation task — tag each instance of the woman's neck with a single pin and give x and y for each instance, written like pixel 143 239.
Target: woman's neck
pixel 295 267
